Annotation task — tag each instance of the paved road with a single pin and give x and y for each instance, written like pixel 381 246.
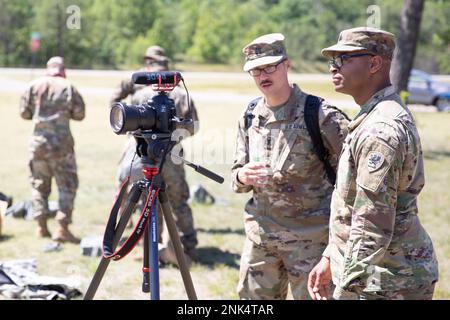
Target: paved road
pixel 17 86
pixel 192 75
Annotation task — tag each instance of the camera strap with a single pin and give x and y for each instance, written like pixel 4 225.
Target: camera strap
pixel 139 230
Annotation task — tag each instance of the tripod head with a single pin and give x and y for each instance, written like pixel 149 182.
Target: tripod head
pixel 152 147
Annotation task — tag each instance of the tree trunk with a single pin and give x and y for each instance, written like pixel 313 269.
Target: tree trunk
pixel 60 29
pixel 406 43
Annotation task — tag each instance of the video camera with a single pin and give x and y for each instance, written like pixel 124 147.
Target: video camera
pixel 152 122
pixel 157 114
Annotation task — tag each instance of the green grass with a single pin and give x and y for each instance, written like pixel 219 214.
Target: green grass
pixel 220 227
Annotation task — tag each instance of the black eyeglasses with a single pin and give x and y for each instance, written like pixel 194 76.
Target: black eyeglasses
pixel 267 70
pixel 155 63
pixel 338 62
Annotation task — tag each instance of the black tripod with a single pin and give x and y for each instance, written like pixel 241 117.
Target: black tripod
pixel 151 148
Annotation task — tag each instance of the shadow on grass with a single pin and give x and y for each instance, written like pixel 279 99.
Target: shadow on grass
pixel 5 237
pixel 212 256
pixel 222 231
pixel 436 155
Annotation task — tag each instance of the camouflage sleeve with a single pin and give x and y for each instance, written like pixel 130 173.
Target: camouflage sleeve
pixel 77 111
pixel 333 126
pixel 326 252
pixel 194 118
pixel 378 161
pixel 26 108
pixel 240 158
pixel 125 89
pixel 183 111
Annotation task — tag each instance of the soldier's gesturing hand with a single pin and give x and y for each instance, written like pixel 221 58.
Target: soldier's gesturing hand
pixel 255 174
pixel 319 280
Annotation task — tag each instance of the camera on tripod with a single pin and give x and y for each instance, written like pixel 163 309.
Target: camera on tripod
pixel 152 122
pixel 157 114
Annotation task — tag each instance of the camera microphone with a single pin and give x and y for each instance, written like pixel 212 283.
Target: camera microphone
pixel 163 77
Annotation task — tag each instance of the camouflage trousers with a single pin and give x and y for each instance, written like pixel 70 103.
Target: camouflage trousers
pixel 266 271
pixel 177 191
pixel 423 292
pixel 64 170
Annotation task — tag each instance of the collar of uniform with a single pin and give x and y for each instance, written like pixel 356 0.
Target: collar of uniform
pixel 288 111
pixel 376 98
pixel 369 105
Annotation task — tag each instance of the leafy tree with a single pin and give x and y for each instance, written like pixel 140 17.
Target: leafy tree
pixel 115 33
pixel 15 32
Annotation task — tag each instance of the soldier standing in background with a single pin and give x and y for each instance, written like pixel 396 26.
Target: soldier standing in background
pixel 51 102
pixel 174 174
pixel 286 220
pixel 378 248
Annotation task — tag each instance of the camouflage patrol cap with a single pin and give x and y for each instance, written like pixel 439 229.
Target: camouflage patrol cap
pixel 55 66
pixel 376 41
pixel 156 53
pixel 56 62
pixel 264 50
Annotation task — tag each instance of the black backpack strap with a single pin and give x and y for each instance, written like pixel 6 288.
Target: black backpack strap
pixel 312 106
pixel 249 113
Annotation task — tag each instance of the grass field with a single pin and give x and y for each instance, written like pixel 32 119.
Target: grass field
pixel 220 228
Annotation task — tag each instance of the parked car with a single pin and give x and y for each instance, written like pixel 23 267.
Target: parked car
pixel 423 89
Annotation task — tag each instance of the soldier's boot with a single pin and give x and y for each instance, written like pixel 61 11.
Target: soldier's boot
pixel 42 230
pixel 167 255
pixel 63 234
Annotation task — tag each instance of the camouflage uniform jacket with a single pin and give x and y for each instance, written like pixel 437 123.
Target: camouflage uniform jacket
pixel 377 242
pixel 295 205
pixel 126 88
pixel 51 102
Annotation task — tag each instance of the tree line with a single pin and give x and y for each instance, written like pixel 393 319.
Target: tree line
pixel 115 33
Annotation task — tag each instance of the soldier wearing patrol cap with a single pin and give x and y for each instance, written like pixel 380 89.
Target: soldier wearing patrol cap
pixel 378 248
pixel 51 102
pixel 174 174
pixel 155 59
pixel 286 219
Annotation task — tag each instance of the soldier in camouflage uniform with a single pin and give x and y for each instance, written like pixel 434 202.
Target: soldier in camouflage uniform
pixel 286 220
pixel 51 102
pixel 173 171
pixel 378 248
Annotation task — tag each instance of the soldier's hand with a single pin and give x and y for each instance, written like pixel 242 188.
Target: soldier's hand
pixel 255 174
pixel 319 279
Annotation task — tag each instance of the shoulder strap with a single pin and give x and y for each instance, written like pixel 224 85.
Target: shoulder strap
pixel 249 113
pixel 312 106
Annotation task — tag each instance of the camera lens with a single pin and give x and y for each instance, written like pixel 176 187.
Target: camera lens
pixel 116 119
pixel 124 118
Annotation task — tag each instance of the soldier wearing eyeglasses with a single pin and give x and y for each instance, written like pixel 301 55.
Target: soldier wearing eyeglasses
pixel 378 248
pixel 286 218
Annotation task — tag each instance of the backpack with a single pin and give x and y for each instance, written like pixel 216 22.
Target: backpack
pixel 312 106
